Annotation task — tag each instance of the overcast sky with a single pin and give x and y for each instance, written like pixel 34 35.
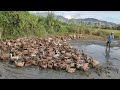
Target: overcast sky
pixel 110 16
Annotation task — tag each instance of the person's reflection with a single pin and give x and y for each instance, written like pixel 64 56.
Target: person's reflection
pixel 107 54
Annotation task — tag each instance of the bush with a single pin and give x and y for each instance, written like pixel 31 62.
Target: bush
pixel 96 33
pixel 63 30
pixel 88 31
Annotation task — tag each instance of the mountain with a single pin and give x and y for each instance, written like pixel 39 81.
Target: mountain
pixel 93 20
pixel 63 19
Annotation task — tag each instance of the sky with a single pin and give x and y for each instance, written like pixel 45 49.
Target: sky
pixel 110 16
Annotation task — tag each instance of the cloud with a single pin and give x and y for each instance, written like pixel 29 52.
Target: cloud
pixel 111 16
pixel 68 16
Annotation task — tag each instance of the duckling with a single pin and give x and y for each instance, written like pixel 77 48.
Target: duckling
pixel 49 39
pixel 56 66
pixel 49 54
pixel 56 56
pixel 94 63
pixel 55 43
pixel 89 60
pixel 63 52
pixel 59 44
pixel 68 60
pixel 72 65
pixel 19 64
pixel 85 67
pixel 43 52
pixel 50 64
pixel 63 65
pixel 43 64
pixel 69 69
pixel 33 54
pixel 68 54
pixel 26 58
pixel 33 62
pixel 49 58
pixel 4 56
pixel 57 51
pixel 9 43
pixel 14 57
pixel 84 55
pixel 78 66
pixel 27 64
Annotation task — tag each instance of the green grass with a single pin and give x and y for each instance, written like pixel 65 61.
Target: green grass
pixel 106 32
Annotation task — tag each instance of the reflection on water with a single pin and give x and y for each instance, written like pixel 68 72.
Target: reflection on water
pixel 97 50
pixel 107 56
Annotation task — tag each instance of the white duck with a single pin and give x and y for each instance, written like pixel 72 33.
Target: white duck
pixel 14 57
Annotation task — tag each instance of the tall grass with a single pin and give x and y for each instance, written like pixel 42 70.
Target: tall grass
pixel 106 32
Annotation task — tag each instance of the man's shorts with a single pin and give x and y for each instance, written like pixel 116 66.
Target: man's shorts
pixel 108 42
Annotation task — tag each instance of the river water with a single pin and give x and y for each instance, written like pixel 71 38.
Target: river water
pixel 96 49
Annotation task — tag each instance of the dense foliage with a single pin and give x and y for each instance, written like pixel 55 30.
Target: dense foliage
pixel 22 23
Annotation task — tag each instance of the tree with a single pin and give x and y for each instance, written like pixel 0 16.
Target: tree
pixel 50 22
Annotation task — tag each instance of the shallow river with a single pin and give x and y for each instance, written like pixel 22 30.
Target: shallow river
pixel 97 49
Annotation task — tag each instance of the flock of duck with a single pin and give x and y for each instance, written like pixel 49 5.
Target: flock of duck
pixel 52 53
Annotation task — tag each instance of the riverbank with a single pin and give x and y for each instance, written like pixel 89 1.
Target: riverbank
pixel 79 36
pixel 8 71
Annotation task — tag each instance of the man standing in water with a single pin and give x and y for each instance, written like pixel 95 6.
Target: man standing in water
pixel 109 39
pixel 107 56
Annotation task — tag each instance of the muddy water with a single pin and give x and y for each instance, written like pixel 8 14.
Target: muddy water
pixel 109 59
pixel 11 72
pixel 98 50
